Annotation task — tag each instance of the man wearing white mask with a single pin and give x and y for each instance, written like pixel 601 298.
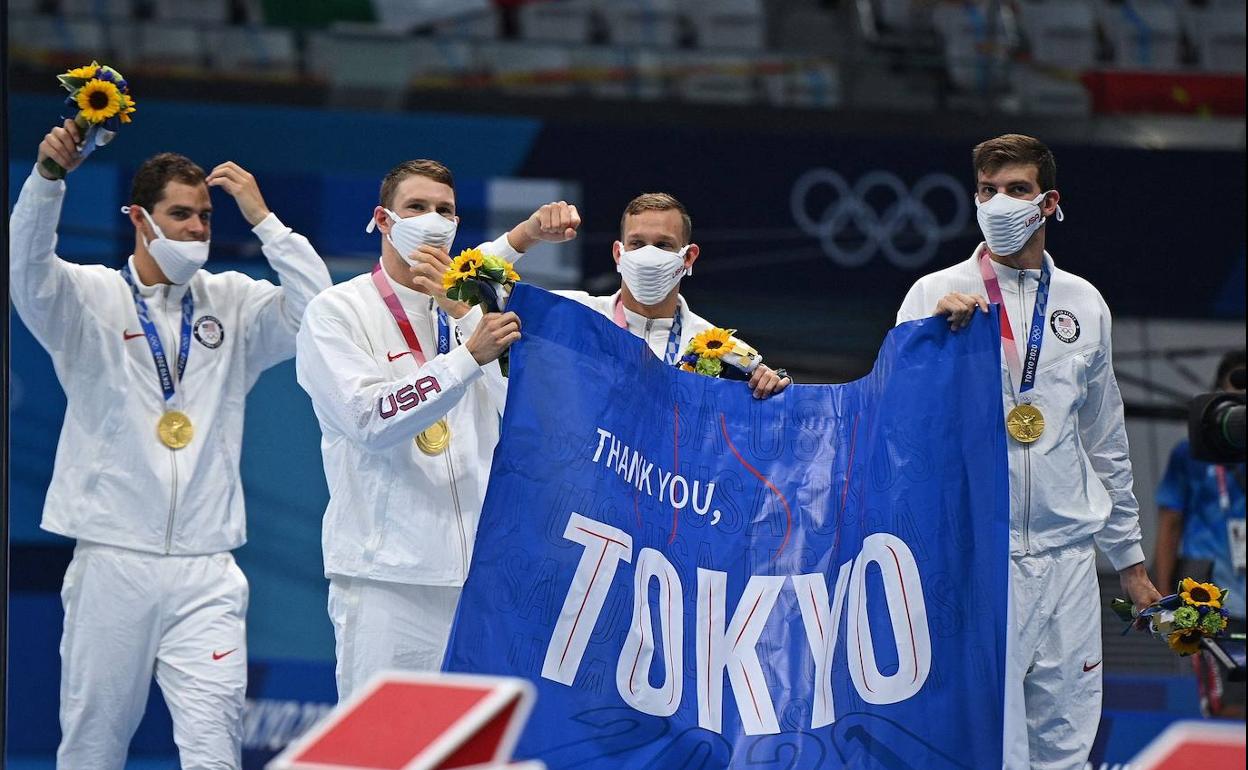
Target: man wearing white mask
pixel 1070 474
pixel 408 392
pixel 146 475
pixel 652 256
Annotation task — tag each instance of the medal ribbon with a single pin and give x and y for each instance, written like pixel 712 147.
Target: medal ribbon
pixel 405 325
pixel 167 383
pixel 1025 372
pixel 1224 494
pixel 673 338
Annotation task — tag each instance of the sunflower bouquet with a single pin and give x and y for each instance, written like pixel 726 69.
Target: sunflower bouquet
pixel 102 99
pixel 716 353
pixel 477 278
pixel 1183 619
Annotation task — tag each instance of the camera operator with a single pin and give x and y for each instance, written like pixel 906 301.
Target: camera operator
pixel 1200 535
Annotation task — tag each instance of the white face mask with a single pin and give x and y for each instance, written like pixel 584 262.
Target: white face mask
pixel 650 273
pixel 407 234
pixel 1008 222
pixel 178 260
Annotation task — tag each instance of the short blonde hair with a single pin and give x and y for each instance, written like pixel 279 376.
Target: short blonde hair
pixel 421 167
pixel 658 201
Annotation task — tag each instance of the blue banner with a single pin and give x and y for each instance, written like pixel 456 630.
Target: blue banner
pixel 696 578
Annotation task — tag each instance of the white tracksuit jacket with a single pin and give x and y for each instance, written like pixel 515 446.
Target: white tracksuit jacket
pixel 113 482
pixel 396 514
pixel 1074 483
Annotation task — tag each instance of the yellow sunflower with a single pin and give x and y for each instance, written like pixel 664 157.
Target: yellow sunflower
pixel 512 276
pixel 1200 594
pixel 98 101
pixel 1184 642
pixel 465 265
pixel 85 73
pixel 712 343
pixel 127 107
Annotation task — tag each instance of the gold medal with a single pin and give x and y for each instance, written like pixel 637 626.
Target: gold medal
pixel 175 429
pixel 1024 423
pixel 435 439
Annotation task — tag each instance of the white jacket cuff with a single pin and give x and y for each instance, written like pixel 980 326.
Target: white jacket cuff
pixel 501 248
pixel 468 324
pixel 270 229
pixel 461 365
pixel 48 189
pixel 1125 555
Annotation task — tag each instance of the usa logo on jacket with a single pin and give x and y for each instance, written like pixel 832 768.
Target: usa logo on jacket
pixel 209 332
pixel 1064 325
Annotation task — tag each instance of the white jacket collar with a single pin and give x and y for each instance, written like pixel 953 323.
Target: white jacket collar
pixel 640 320
pixel 171 291
pixel 1008 276
pixel 410 298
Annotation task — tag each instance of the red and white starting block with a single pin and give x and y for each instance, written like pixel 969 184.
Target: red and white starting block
pixel 419 721
pixel 1192 745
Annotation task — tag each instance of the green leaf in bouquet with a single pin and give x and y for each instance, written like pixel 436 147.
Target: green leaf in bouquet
pixel 71 84
pixel 493 273
pixel 466 292
pixel 1123 608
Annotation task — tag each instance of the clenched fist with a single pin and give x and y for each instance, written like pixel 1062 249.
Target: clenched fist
pixel 492 336
pixel 554 223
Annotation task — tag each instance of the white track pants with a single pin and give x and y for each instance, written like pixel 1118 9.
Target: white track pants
pixel 130 614
pixel 380 625
pixel 1055 661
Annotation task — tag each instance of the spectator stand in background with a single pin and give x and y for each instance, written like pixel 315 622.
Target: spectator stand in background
pixel 1046 57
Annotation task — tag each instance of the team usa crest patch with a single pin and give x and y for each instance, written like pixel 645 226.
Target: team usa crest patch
pixel 1064 325
pixel 209 332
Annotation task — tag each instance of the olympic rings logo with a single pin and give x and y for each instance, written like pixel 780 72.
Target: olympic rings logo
pixel 906 230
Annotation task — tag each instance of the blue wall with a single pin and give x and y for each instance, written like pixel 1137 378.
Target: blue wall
pixel 289 139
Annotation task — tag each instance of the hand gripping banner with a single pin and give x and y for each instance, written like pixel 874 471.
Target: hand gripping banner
pixel 695 578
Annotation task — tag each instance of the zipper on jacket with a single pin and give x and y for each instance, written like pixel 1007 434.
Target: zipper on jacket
pixel 173 455
pixel 459 515
pixel 173 501
pixel 1022 308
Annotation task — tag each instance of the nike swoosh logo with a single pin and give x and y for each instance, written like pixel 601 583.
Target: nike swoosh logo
pixel 130 336
pixel 1087 668
pixel 220 655
pixel 395 357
